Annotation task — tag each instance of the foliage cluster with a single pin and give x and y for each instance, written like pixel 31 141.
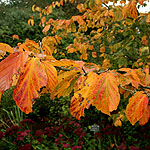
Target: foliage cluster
pixel 114 76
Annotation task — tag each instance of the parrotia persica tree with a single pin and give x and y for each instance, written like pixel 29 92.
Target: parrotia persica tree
pixel 113 44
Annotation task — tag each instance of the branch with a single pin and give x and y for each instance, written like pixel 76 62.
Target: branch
pixel 106 5
pixel 146 87
pixel 62 68
pixel 127 89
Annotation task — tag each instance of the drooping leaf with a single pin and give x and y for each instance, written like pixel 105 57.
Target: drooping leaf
pixel 10 66
pixel 6 48
pixel 131 76
pixel 136 107
pixel 51 75
pixel 132 9
pixel 105 93
pixel 65 81
pixel 32 79
pixel 82 96
pixel 145 116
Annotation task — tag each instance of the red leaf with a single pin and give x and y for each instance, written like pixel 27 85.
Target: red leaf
pixel 10 66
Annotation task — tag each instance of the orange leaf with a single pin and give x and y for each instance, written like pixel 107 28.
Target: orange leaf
pixel 32 79
pixel 6 48
pixel 51 75
pixel 0 96
pixel 133 75
pixel 94 55
pixel 15 37
pixel 141 2
pixel 145 116
pixel 132 9
pixel 31 22
pixel 136 107
pixel 46 28
pixel 148 18
pixel 82 96
pixel 105 93
pixel 10 66
pixel 124 10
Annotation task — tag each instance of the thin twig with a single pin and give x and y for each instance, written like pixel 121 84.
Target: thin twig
pixel 127 89
pixel 106 5
pixel 62 68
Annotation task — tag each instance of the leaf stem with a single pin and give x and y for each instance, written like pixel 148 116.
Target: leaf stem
pixel 127 89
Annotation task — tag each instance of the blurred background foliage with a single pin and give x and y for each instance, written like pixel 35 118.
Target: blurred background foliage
pixel 14 19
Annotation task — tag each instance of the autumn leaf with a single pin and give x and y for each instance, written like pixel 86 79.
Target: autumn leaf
pixel 132 9
pixel 131 76
pixel 33 7
pixel 31 80
pixel 31 22
pixel 82 96
pixel 145 116
pixel 65 81
pixel 10 66
pixel 2 54
pixel 124 10
pixel 0 96
pixel 6 48
pixel 136 107
pixel 15 37
pixel 65 63
pixel 141 2
pixel 105 93
pixel 46 28
pixel 51 75
pixel 148 18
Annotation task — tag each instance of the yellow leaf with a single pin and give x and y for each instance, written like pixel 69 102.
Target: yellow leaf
pixel 33 7
pixel 51 75
pixel 31 22
pixel 82 95
pixel 49 10
pixel 6 48
pixel 117 123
